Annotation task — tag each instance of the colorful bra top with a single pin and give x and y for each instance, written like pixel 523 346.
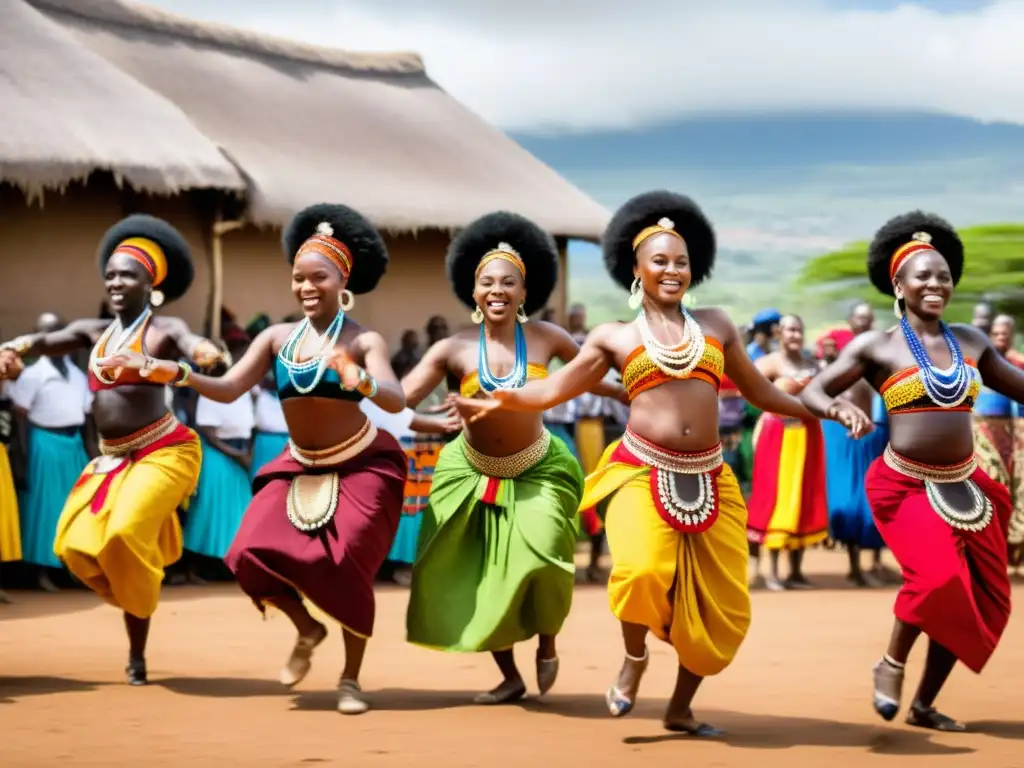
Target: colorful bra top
pixel 470 384
pixel 904 392
pixel 126 376
pixel 329 385
pixel 640 373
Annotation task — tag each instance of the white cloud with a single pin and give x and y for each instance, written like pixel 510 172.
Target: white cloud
pixel 585 64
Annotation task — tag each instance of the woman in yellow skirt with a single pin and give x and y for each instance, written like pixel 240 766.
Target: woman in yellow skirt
pixel 676 522
pixel 119 526
pixel 10 530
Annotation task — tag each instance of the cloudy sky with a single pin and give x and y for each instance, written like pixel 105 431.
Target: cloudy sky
pixel 585 64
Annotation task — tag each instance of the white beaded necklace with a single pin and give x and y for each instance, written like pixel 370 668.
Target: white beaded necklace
pixel 125 335
pixel 679 360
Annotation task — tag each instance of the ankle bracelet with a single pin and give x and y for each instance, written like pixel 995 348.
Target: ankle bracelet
pixel 892 662
pixel 639 658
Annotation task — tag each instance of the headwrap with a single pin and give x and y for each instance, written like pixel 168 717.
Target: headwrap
pixel 920 241
pixel 663 225
pixel 148 254
pixel 841 337
pixel 505 252
pixel 323 243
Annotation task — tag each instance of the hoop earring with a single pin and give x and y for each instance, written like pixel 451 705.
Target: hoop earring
pixel 896 307
pixel 521 314
pixel 477 316
pixel 346 300
pixel 636 294
pixel 156 298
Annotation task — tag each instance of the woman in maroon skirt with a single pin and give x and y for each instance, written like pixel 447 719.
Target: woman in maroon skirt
pixel 324 513
pixel 943 518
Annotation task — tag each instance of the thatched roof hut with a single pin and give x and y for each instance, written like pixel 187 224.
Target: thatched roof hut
pixel 301 123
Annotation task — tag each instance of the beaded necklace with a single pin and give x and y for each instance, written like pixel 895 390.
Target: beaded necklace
pixel 318 362
pixel 125 336
pixel 679 360
pixel 516 378
pixel 947 389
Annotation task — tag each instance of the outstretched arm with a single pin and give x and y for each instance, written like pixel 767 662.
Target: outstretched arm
pixel 821 395
pixel 427 374
pixel 755 386
pixel 239 379
pixel 193 346
pixel 74 336
pixel 582 374
pixel 566 349
pixel 996 371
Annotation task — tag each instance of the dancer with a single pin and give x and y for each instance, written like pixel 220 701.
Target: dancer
pixel 495 558
pixel 846 463
pixel 119 526
pixel 788 509
pixel 943 518
pixel 323 513
pixel 676 523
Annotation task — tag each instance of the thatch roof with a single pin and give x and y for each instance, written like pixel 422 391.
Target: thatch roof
pixel 306 124
pixel 66 111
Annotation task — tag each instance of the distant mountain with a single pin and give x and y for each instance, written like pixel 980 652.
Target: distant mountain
pixel 786 187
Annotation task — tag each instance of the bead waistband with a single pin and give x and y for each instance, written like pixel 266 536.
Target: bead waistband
pixel 508 467
pixel 672 461
pixel 951 473
pixel 337 454
pixel 122 446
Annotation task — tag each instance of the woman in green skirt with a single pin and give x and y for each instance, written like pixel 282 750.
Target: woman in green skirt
pixel 495 557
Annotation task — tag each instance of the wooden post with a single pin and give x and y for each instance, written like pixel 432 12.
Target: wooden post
pixel 220 228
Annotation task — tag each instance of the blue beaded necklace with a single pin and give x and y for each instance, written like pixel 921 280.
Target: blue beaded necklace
pixel 516 378
pixel 947 389
pixel 316 364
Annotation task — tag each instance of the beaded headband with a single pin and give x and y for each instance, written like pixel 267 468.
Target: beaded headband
pixel 323 243
pixel 505 252
pixel 663 225
pixel 920 241
pixel 148 254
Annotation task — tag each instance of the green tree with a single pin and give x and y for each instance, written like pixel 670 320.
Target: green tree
pixel 994 271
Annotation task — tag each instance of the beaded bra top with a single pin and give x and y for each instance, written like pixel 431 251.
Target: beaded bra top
pixel 135 342
pixel 904 392
pixel 640 373
pixel 470 384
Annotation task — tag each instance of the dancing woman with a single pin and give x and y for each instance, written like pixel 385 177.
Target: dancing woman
pixel 787 505
pixel 323 513
pixel 495 556
pixel 943 518
pixel 676 522
pixel 119 526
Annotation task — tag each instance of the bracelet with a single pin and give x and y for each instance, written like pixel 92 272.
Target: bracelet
pixel 19 345
pixel 367 385
pixel 148 365
pixel 186 373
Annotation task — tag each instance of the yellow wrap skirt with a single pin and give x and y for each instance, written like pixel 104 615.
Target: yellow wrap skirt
pixel 10 528
pixel 689 590
pixel 119 526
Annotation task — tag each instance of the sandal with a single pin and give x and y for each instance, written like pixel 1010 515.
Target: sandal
pixel 693 728
pixel 619 704
pixel 136 671
pixel 888 688
pixel 928 717
pixel 300 661
pixel 505 693
pixel 350 698
pixel 547 673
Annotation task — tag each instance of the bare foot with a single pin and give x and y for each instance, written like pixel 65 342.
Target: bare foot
pixel 301 659
pixel 512 689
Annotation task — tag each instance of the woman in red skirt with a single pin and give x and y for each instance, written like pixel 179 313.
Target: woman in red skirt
pixel 943 518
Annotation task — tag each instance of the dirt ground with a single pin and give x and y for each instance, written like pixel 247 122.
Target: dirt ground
pixel 797 695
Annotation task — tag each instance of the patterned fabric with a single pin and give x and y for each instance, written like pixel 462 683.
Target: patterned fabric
pixel 422 452
pixel 640 373
pixel 470 384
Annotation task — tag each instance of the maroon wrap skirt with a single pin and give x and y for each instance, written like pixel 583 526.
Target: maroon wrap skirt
pixel 334 567
pixel 955 586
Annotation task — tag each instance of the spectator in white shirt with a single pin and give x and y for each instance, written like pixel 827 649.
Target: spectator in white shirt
pixel 52 404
